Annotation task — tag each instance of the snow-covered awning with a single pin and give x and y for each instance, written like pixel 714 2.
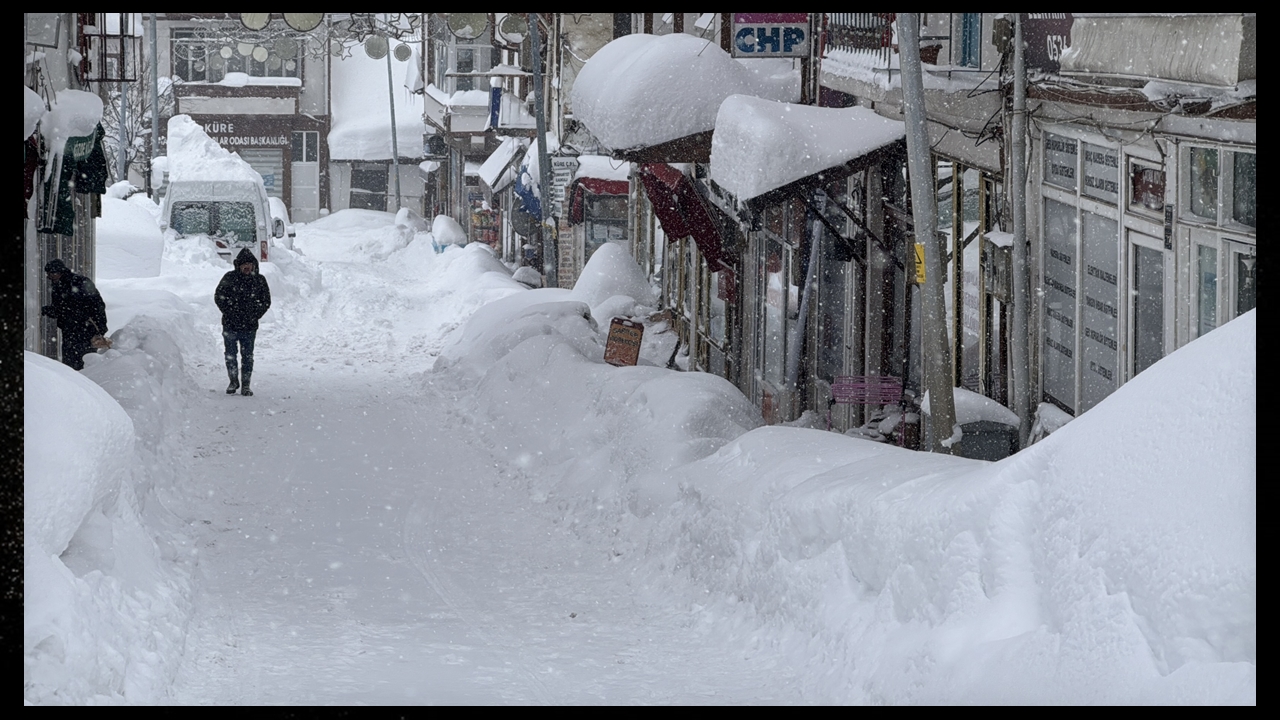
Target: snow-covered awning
pixel 598 175
pixel 498 170
pixel 761 145
pixel 641 91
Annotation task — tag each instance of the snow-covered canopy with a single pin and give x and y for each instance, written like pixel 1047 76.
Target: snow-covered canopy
pixel 73 113
pixel 642 90
pixel 760 145
pixel 497 171
pixel 362 113
pixel 602 167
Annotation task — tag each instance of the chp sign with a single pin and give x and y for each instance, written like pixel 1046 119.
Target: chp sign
pixel 771 35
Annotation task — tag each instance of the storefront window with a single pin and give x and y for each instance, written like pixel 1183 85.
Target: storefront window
pixel 717 308
pixel 775 308
pixel 1060 303
pixel 1101 173
pixel 369 187
pixel 1148 307
pixel 1246 281
pixel 1060 161
pixel 200 55
pixel 1206 289
pixel 1146 186
pixel 1204 183
pixel 1244 189
pixel 606 221
pixel 1099 343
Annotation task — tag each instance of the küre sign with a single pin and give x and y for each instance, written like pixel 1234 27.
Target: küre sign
pixel 623 347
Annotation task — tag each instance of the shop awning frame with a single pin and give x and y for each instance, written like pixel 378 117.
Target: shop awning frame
pixel 683 212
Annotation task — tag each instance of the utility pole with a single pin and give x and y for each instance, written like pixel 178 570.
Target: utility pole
pixel 933 316
pixel 1020 363
pixel 550 251
pixel 155 108
pixel 395 147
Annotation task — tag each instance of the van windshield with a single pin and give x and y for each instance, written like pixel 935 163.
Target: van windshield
pixel 232 221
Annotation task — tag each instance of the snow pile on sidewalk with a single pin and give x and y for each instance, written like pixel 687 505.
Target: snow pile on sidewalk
pixel 598 436
pixel 105 597
pixel 1114 562
pixel 129 243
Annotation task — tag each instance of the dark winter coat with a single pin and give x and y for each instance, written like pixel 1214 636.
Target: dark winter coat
pixel 76 306
pixel 243 299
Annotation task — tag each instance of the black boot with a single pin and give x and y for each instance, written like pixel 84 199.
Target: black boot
pixel 244 390
pixel 235 384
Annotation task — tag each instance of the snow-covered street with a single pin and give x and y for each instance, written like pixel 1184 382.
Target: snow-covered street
pixel 359 543
pixel 440 493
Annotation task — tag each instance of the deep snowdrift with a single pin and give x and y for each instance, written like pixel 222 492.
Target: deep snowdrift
pixel 1113 562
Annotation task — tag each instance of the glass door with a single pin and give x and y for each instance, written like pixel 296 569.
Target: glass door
pixel 1149 302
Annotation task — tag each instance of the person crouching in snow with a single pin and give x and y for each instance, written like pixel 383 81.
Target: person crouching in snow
pixel 78 308
pixel 243 297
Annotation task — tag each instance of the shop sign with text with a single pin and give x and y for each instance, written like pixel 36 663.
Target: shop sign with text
pixel 771 35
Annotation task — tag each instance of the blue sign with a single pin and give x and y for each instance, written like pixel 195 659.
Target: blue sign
pixel 771 35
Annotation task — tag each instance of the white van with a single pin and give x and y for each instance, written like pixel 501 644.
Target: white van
pixel 235 214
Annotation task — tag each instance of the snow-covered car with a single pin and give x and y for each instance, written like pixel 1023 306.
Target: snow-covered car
pixel 235 214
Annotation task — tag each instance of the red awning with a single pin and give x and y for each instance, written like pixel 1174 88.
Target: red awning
pixel 596 186
pixel 682 211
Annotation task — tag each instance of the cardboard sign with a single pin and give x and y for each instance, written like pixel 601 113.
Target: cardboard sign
pixel 623 347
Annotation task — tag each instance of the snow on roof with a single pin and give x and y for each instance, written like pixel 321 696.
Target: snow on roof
pixel 239 79
pixel 193 156
pixel 1000 238
pixel 33 110
pixel 642 90
pixel 760 145
pixel 362 116
pixel 469 98
pixel 74 113
pixel 603 167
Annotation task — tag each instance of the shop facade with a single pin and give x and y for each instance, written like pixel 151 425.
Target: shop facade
pixel 264 97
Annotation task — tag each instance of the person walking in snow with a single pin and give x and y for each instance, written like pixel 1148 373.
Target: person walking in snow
pixel 78 309
pixel 243 297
